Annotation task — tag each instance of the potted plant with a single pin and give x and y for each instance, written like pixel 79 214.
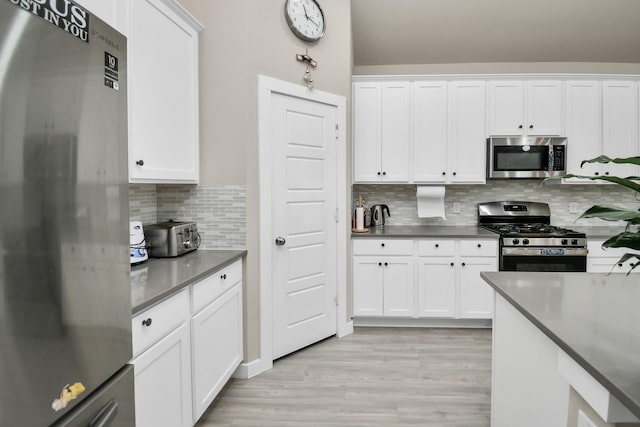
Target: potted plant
pixel 630 237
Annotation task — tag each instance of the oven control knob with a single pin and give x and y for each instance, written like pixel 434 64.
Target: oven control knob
pixel 564 241
pixel 574 242
pixel 515 241
pixel 525 241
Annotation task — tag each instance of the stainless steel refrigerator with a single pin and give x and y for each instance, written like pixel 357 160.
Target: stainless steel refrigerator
pixel 65 299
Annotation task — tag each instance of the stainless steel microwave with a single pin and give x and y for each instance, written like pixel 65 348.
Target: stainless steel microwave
pixel 526 157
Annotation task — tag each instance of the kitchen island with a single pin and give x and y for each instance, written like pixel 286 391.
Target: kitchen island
pixel 555 330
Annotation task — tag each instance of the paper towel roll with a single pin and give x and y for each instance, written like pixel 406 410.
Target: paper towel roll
pixel 431 201
pixel 359 218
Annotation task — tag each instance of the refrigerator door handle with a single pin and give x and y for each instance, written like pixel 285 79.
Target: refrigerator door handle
pixel 106 415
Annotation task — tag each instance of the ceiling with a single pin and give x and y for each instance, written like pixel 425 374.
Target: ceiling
pixel 390 32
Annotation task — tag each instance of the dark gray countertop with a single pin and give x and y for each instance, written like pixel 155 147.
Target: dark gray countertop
pixel 594 318
pixel 159 278
pixel 417 231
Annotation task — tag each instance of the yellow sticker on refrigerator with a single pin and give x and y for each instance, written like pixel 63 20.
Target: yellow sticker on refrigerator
pixel 68 393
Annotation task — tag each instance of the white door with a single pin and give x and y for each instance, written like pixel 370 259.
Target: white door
pixel 304 215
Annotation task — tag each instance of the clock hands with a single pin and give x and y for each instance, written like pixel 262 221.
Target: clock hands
pixel 307 16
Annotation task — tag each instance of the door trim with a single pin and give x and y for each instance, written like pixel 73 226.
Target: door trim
pixel 266 87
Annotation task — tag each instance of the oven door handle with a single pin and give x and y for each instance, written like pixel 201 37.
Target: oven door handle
pixel 544 251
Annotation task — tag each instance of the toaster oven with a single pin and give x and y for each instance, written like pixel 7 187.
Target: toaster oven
pixel 171 238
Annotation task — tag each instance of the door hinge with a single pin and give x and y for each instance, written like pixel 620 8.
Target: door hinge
pixel 337 215
pixel 336 300
pixel 337 131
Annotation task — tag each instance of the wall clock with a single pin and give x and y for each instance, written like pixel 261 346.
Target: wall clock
pixel 305 18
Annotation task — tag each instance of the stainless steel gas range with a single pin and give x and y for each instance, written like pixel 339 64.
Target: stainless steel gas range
pixel 527 240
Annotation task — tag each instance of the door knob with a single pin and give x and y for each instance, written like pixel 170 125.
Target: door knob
pixel 280 241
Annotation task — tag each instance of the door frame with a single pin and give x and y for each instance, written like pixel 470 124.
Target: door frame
pixel 267 86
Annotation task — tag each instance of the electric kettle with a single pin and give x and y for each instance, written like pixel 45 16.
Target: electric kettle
pixel 377 215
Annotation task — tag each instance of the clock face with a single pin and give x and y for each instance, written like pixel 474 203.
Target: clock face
pixel 305 18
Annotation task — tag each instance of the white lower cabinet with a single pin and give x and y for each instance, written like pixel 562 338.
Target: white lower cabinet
pixel 186 348
pixel 449 283
pixel 436 278
pixel 163 382
pixel 601 260
pixel 217 347
pixel 163 370
pixel 383 286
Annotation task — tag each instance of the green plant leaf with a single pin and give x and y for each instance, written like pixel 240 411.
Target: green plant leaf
pixel 620 160
pixel 627 257
pixel 612 213
pixel 625 239
pixel 628 182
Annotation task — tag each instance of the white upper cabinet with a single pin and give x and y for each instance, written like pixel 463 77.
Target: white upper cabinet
pixel 430 131
pixel 583 121
pixel 601 119
pixel 163 93
pixel 467 143
pixel 113 12
pixel 619 125
pixel 367 133
pixel 532 108
pixel 382 131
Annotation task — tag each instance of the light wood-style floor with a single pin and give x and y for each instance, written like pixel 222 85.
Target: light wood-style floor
pixel 374 377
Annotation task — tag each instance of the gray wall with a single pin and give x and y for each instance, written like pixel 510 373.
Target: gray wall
pixel 241 39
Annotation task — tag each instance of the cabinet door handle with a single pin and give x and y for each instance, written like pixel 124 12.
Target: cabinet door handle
pixel 597 173
pixel 463 264
pixel 437 245
pixel 223 277
pixel 147 322
pixel 606 173
pixel 140 163
pixel 384 173
pixel 520 127
pixel 379 173
pixel 530 126
pixel 386 264
pixel 382 244
pixel 454 174
pixel 619 264
pixel 379 264
pixel 451 264
pixel 444 173
pixel 479 245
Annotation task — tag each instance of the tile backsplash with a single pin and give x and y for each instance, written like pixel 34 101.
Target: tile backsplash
pixel 402 203
pixel 219 211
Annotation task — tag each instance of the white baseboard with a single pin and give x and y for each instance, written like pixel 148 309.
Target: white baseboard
pixel 410 322
pixel 345 329
pixel 250 369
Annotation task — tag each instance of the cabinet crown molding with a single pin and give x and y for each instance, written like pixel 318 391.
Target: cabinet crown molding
pixel 507 76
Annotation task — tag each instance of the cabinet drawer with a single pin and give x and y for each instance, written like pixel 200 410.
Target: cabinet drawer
pixel 159 320
pixel 596 250
pixel 436 247
pixel 474 247
pixel 210 288
pixel 382 247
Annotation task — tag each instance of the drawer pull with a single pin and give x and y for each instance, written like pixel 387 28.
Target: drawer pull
pixel 386 264
pixel 437 245
pixel 382 244
pixel 379 264
pixel 463 264
pixel 223 277
pixel 147 322
pixel 479 245
pixel 451 264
